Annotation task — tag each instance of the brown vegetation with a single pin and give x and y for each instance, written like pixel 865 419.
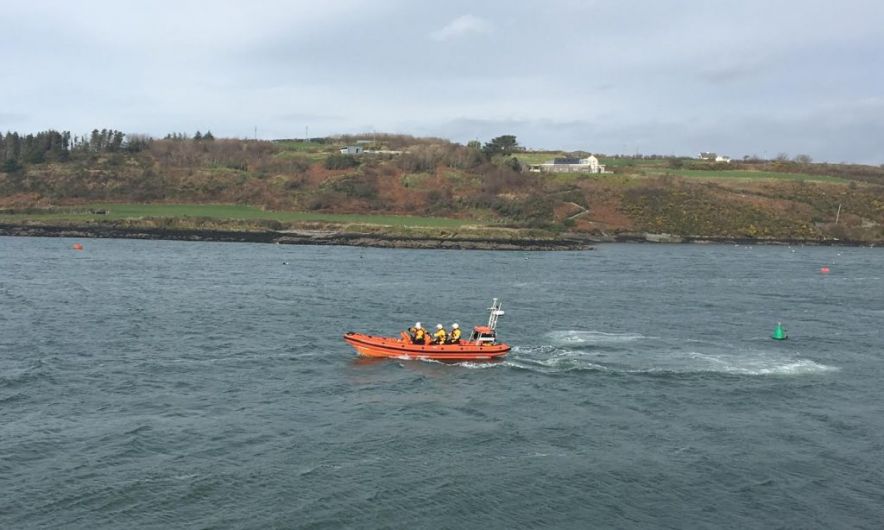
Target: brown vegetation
pixel 439 178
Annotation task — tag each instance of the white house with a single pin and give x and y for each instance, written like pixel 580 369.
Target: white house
pixel 708 156
pixel 352 150
pixel 589 164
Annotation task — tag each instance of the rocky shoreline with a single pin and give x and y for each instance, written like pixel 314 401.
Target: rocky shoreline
pixel 380 240
pixel 727 240
pixel 294 237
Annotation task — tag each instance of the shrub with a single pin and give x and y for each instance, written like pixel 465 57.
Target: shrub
pixel 10 166
pixel 358 186
pixel 341 162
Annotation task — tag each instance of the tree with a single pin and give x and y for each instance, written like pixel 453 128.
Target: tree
pixel 10 166
pixel 502 145
pixel 95 140
pixel 198 136
pixel 116 141
pixel 208 136
pixel 13 145
pixel 803 159
pixel 137 142
pixel 32 150
pixel 513 163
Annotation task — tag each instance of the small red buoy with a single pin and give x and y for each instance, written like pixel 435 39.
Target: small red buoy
pixel 824 269
pixel 77 246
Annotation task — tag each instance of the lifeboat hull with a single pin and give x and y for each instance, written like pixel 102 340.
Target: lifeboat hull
pixel 398 348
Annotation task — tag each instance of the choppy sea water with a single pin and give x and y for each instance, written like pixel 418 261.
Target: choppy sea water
pixel 152 384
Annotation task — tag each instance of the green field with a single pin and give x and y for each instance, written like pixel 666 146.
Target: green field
pixel 532 157
pixel 742 174
pixel 305 147
pixel 312 156
pixel 656 168
pixel 313 151
pixel 610 163
pixel 117 212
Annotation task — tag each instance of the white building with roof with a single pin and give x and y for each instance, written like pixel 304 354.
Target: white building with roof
pixel 714 157
pixel 589 164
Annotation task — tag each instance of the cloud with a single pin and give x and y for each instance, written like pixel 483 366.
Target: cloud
pixel 844 131
pixel 307 116
pixel 598 75
pixel 460 27
pixel 11 117
pixel 731 72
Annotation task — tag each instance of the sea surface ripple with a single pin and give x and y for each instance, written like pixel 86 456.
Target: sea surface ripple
pixel 153 384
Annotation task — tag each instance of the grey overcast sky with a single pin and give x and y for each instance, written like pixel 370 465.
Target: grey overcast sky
pixel 737 77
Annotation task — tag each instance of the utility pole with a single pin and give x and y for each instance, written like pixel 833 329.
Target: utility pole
pixel 256 133
pixel 307 134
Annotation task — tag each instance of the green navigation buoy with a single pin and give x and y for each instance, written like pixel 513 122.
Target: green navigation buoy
pixel 779 333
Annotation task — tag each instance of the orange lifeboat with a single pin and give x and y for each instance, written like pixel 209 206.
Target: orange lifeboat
pixel 481 346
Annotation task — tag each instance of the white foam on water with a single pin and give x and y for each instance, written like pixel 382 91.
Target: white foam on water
pixel 747 364
pixel 552 359
pixel 570 363
pixel 549 358
pixel 473 365
pixel 542 349
pixel 797 367
pixel 574 336
pixel 556 364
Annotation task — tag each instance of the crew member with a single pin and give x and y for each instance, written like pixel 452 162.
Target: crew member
pixel 439 335
pixel 418 334
pixel 454 336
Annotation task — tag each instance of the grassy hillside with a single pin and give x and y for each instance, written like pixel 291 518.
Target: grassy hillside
pixel 122 211
pixel 437 184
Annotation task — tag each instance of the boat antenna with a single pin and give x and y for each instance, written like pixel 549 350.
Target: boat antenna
pixel 496 311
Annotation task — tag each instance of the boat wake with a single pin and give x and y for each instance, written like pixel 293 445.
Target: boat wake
pixel 658 360
pixel 570 337
pixel 567 351
pixel 758 363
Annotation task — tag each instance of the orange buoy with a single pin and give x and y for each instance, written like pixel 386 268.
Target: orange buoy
pixel 77 246
pixel 824 269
